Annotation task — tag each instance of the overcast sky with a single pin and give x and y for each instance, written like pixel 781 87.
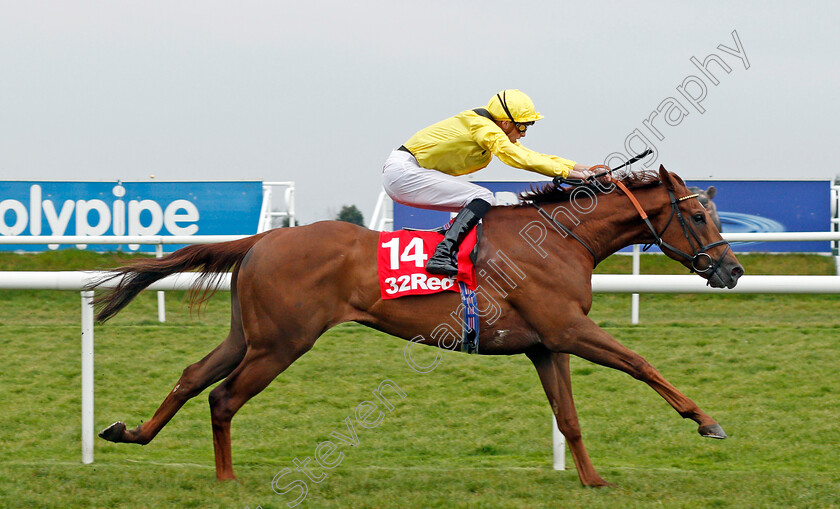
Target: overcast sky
pixel 320 92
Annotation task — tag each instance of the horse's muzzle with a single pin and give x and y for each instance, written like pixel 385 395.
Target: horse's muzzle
pixel 726 276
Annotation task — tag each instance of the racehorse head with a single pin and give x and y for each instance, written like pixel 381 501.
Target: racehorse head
pixel 687 233
pixel 666 214
pixel 705 198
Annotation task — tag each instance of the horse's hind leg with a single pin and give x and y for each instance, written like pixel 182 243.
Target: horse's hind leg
pixel 257 370
pixel 553 370
pixel 195 378
pixel 594 344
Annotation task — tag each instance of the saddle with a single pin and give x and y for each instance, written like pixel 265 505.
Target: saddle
pixel 401 261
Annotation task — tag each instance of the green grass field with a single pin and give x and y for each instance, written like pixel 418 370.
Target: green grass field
pixel 475 432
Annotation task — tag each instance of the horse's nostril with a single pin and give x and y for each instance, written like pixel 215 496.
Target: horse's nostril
pixel 737 271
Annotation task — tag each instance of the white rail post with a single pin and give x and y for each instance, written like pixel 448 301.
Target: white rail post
pixel 290 204
pixel 160 295
pixel 558 445
pixel 634 299
pixel 377 210
pixel 87 377
pixel 381 217
pixel 835 222
pixel 265 210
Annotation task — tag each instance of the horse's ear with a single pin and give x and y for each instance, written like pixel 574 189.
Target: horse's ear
pixel 665 177
pixel 671 180
pixel 711 192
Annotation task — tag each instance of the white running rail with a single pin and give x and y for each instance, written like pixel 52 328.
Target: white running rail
pixel 601 283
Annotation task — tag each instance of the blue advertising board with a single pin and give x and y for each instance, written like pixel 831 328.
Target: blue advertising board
pixel 743 206
pixel 127 208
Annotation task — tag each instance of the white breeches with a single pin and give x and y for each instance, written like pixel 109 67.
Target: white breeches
pixel 408 183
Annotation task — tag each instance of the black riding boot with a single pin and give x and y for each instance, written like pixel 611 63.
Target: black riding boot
pixel 444 261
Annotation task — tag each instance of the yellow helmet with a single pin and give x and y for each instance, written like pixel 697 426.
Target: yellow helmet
pixel 513 105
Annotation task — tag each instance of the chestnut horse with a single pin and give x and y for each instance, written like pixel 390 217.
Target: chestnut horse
pixel 534 265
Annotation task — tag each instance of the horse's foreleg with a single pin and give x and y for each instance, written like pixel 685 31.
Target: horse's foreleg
pixel 553 370
pixel 195 378
pixel 590 342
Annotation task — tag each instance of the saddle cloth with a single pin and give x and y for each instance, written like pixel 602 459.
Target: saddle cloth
pixel 401 258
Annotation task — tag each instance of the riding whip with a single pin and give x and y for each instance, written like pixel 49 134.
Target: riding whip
pixel 580 182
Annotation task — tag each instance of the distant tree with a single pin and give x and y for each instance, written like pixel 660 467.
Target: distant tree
pixel 351 214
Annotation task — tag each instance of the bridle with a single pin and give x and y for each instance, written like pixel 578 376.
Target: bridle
pixel 699 257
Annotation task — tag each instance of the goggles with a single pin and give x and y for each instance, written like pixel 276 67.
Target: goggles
pixel 521 126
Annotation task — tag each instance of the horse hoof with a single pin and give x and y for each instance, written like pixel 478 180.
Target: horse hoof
pixel 600 483
pixel 114 432
pixel 712 431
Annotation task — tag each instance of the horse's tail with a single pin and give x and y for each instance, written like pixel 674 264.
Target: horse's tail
pixel 211 260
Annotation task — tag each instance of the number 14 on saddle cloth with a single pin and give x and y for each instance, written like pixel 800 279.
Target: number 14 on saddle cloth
pixel 401 258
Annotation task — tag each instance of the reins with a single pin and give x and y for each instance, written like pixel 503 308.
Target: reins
pixel 701 261
pixel 566 230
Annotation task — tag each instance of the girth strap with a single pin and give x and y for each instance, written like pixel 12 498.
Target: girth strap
pixel 470 326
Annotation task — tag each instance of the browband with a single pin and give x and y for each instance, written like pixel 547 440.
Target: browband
pixel 695 195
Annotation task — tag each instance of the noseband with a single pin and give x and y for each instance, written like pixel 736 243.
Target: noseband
pixel 699 257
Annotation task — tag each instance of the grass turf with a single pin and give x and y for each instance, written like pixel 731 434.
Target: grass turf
pixel 472 433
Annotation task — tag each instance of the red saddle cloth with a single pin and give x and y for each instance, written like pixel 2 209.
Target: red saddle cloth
pixel 402 256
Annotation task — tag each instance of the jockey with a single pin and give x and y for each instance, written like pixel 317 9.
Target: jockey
pixel 422 172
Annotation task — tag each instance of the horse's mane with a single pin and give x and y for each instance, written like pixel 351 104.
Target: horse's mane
pixel 552 193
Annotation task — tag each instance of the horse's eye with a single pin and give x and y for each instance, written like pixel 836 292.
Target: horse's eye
pixel 699 218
